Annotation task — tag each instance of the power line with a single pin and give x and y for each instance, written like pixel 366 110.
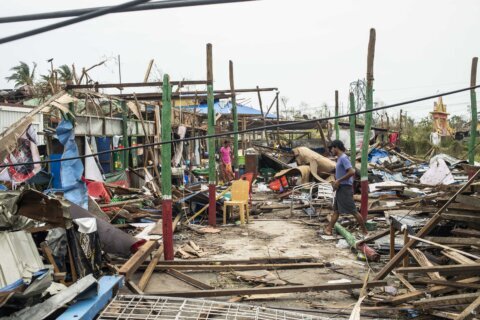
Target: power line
pixel 142 7
pixel 83 17
pixel 274 126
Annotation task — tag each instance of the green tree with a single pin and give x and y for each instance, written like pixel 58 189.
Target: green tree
pixel 22 75
pixel 65 74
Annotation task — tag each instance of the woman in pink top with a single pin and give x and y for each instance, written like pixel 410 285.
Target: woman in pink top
pixel 226 162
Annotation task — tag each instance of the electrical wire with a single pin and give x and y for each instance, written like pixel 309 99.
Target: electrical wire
pixel 142 7
pixel 83 17
pixel 273 126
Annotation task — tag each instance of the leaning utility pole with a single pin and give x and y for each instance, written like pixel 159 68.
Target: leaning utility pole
pixel 212 208
pixel 368 124
pixel 473 101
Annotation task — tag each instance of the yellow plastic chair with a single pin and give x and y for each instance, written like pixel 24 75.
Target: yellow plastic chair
pixel 240 191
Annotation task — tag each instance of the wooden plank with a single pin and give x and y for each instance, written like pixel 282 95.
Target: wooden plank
pixel 446 247
pixel 243 266
pixel 457 257
pixel 431 291
pixel 423 261
pixel 444 314
pixel 405 282
pixel 454 240
pixel 470 311
pixel 373 237
pixel 468 200
pixel 120 203
pixel 189 280
pixel 447 283
pixel 466 233
pixel 450 269
pixel 454 299
pixel 137 259
pixel 268 290
pixel 259 260
pixel 150 268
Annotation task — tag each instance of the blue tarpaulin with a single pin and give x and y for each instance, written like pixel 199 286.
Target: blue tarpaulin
pixel 376 154
pixel 71 171
pixel 226 108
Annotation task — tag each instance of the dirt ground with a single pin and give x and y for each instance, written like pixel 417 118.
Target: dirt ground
pixel 275 234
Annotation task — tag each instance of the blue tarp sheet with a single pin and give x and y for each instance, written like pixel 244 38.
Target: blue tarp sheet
pixel 71 171
pixel 227 109
pixel 377 154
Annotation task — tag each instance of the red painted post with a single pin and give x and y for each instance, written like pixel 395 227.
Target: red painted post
pixel 167 229
pixel 212 208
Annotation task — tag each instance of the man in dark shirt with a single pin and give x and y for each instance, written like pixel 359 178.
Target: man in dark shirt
pixel 343 185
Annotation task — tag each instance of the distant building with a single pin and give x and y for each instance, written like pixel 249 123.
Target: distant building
pixel 440 119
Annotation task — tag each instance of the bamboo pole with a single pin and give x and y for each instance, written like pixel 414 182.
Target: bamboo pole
pixel 212 210
pixel 353 145
pixel 235 121
pixel 473 101
pixel 337 129
pixel 368 124
pixel 167 169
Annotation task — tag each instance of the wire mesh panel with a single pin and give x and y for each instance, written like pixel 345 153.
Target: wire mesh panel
pixel 137 307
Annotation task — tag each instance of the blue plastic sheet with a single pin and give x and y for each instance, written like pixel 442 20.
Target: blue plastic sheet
pixel 376 154
pixel 71 171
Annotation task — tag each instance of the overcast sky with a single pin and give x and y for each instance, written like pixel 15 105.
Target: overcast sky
pixel 306 48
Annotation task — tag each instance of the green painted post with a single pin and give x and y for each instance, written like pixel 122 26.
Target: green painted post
pixel 167 169
pixel 337 129
pixel 473 101
pixel 125 153
pixel 367 128
pixel 353 144
pixel 212 208
pixel 235 121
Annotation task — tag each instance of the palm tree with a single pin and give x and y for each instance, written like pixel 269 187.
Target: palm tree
pixel 22 74
pixel 65 74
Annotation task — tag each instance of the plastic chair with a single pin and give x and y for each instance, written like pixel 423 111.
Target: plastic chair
pixel 239 198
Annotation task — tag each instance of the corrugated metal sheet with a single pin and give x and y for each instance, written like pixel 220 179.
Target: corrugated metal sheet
pixel 20 257
pixel 9 115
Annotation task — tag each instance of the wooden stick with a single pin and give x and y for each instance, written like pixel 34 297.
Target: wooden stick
pixel 449 269
pixel 187 279
pixel 137 259
pixel 268 290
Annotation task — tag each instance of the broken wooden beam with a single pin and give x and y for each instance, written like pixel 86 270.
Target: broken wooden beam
pixel 189 280
pixel 254 260
pixel 142 284
pixel 230 267
pixel 137 259
pixel 268 290
pixel 470 311
pixel 454 299
pixel 450 269
pixel 455 240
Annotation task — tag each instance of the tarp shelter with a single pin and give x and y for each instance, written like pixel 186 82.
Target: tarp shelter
pixel 226 108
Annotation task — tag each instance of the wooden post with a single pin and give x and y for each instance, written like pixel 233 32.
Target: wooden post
pixel 400 121
pixel 368 124
pixel 337 129
pixel 167 169
pixel 212 209
pixel 235 121
pixel 405 240
pixel 264 134
pixel 353 143
pixel 473 101
pixel 278 117
pixel 392 241
pixel 126 153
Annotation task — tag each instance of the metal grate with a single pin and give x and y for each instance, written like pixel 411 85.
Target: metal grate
pixel 137 307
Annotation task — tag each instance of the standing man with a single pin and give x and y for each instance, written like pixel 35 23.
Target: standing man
pixel 343 186
pixel 226 162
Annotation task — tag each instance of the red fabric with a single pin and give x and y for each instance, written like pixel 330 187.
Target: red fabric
pixel 97 190
pixel 393 137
